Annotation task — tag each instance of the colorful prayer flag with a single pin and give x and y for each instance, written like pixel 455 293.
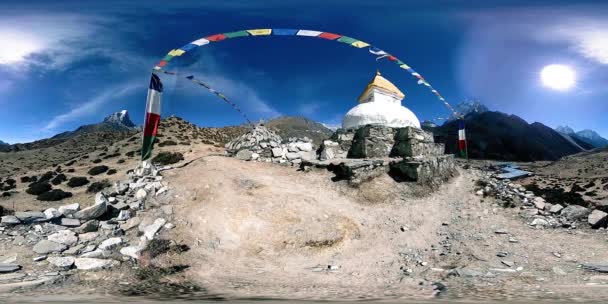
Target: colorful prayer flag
pixel 260 32
pixel 284 32
pixel 308 33
pixel 462 140
pixel 152 119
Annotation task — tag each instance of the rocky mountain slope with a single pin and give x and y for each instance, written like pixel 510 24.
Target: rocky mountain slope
pixel 296 126
pixel 586 138
pixel 495 135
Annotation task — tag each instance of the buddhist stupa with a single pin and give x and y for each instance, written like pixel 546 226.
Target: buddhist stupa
pixel 380 104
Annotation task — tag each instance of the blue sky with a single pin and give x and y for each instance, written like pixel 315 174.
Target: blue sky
pixel 68 63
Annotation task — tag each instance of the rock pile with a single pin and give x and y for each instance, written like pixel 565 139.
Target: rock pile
pixel 90 238
pixel 541 214
pixel 262 144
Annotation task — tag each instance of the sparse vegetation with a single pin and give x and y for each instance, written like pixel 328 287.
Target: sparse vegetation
pixel 111 155
pixel 98 186
pixel 96 161
pixel 60 178
pixel 77 181
pixel 168 158
pixel 167 143
pixel 120 161
pixel 54 195
pixel 38 188
pixel 111 171
pixel 98 170
pixel 25 179
pixel 130 154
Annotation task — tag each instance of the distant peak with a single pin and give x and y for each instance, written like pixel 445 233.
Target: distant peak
pixel 565 130
pixel 120 118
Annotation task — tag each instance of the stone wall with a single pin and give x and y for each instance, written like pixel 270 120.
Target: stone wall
pixel 424 169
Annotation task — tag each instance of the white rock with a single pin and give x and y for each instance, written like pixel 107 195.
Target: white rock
pixel 100 198
pixel 278 152
pixel 162 190
pixel 65 237
pixel 97 253
pixel 52 213
pixel 556 208
pixel 94 264
pixel 539 203
pixel 87 237
pixel 304 146
pixel 292 155
pixel 597 218
pixel 69 209
pixel 63 262
pixel 123 215
pixel 110 243
pixel 538 222
pixel 480 192
pixel 141 194
pixel 169 226
pixel 152 229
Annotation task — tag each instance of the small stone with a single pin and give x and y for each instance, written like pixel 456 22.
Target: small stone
pixel 597 219
pixel 52 213
pixel 10 220
pixel 152 229
pixel 62 262
pixel 502 254
pixel 556 208
pixel 101 198
pixel 39 258
pixel 501 231
pixel 508 263
pixel 539 203
pixel 110 243
pixel 169 226
pixel 46 246
pixel 88 248
pixel 162 190
pixel 88 226
pixel 479 193
pixel 575 213
pixel 65 237
pixel 539 222
pixel 123 215
pixel 70 222
pixel 244 154
pixel 30 216
pixel 9 267
pixel 73 250
pixel 557 254
pixel 130 223
pixel 141 194
pixel 277 152
pixel 97 253
pixel 557 270
pixel 93 263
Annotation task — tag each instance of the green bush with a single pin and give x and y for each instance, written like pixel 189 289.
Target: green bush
pixel 38 188
pixel 111 171
pixel 98 170
pixel 168 158
pixel 96 161
pixel 77 181
pixel 98 186
pixel 54 195
pixel 167 143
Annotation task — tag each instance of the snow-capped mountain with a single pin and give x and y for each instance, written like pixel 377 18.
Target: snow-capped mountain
pixel 587 136
pixel 3 143
pixel 121 118
pixel 592 137
pixel 470 106
pixel 564 129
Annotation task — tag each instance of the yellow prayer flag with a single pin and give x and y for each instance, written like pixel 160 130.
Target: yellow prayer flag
pixel 260 32
pixel 405 66
pixel 360 44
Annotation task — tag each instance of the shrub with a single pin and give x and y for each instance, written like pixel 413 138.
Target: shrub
pixel 25 179
pixel 168 158
pixel 111 155
pixel 71 170
pixel 98 170
pixel 6 194
pixel 130 154
pixel 10 181
pixel 111 171
pixel 54 195
pixel 38 188
pixel 98 186
pixel 77 181
pixel 120 161
pixel 73 161
pixel 60 178
pixel 167 143
pixel 46 176
pixel 96 161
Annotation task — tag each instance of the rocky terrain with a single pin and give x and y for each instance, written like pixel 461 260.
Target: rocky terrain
pixel 201 225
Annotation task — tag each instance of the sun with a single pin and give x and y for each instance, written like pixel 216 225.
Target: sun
pixel 558 77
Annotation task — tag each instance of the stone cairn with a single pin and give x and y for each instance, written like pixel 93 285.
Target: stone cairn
pixel 71 237
pixel 262 144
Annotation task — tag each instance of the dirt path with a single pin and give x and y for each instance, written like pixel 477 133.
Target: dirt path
pixel 258 229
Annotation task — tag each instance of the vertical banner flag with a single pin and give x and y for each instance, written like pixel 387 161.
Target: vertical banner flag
pixel 152 119
pixel 462 140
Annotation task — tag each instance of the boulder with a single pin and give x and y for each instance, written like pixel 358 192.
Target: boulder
pixel 308 155
pixel 10 220
pixel 94 264
pixel 130 223
pixel 304 146
pixel 292 155
pixel 278 152
pixel 46 246
pixel 575 213
pixel 70 209
pixel 70 222
pixel 30 216
pixel 141 194
pixel 9 267
pixel 97 254
pixel 110 243
pixel 556 208
pixel 92 212
pixel 597 219
pixel 65 237
pixel 89 226
pixel 62 262
pixel 152 229
pixel 52 213
pixel 539 203
pixel 89 236
pixel 244 154
pixel 123 215
pixel 101 198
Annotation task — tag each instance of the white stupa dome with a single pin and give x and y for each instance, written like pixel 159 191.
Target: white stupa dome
pixel 380 104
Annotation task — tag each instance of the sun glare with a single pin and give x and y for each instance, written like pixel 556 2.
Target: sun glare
pixel 558 77
pixel 15 47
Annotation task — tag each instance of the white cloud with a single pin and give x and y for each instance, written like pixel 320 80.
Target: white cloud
pixel 92 106
pixel 588 37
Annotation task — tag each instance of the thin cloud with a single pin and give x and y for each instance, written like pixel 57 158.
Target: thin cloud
pixel 309 108
pixel 92 106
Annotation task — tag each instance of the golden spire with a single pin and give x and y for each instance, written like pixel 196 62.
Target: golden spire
pixel 383 84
